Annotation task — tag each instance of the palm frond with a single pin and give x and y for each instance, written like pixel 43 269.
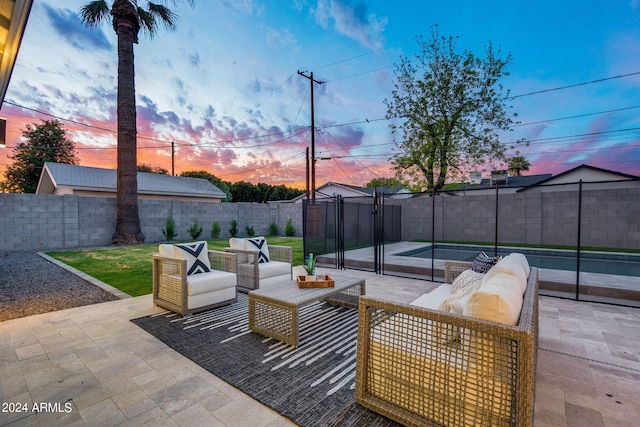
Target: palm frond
pixel 94 13
pixel 166 15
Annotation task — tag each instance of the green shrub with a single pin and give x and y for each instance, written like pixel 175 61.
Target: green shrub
pixel 169 229
pixel 215 230
pixel 250 231
pixel 234 228
pixel 289 229
pixel 195 230
pixel 273 229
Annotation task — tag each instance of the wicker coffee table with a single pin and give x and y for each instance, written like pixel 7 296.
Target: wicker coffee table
pixel 274 311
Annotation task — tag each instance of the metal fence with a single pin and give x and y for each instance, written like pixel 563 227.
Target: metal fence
pixel 585 236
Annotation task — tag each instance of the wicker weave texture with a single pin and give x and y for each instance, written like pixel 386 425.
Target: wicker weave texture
pixel 249 269
pixel 421 367
pixel 170 288
pixel 275 312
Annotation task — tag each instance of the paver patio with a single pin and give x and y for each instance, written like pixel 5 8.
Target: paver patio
pixel 112 372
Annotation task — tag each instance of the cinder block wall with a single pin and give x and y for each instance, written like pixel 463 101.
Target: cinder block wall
pixel 43 222
pixel 610 218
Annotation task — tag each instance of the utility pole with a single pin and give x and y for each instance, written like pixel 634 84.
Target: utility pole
pixel 307 174
pixel 173 152
pixel 313 136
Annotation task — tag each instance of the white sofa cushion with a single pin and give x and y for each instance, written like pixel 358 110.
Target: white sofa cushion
pixel 433 299
pixel 197 256
pixel 510 265
pixel 499 299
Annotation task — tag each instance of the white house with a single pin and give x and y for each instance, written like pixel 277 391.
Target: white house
pixel 61 179
pixel 333 189
pixel 597 178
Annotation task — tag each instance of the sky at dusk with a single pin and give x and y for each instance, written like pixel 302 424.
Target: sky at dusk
pixel 224 86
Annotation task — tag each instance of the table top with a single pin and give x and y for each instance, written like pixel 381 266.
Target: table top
pixel 290 292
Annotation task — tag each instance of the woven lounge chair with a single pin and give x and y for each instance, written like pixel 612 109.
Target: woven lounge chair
pixel 177 290
pixel 267 265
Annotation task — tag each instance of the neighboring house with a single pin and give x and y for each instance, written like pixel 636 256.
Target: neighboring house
pixel 333 189
pixel 506 184
pixel 597 178
pixel 61 179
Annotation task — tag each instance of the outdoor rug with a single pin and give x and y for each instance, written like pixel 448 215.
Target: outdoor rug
pixel 313 384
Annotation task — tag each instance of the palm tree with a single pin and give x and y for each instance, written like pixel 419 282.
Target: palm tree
pixel 127 19
pixel 518 164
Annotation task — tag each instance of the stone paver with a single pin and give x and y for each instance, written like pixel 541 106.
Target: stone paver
pixel 92 366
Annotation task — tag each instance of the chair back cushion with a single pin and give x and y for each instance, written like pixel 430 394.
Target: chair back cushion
pixel 236 243
pixel 167 250
pixel 196 254
pixel 258 244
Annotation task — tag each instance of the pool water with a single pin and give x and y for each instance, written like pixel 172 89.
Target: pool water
pixel 591 262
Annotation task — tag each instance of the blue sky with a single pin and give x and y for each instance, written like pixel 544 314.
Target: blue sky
pixel 224 86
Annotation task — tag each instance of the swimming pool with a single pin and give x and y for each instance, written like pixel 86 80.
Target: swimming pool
pixel 555 259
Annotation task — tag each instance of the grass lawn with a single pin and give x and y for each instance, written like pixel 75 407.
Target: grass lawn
pixel 128 268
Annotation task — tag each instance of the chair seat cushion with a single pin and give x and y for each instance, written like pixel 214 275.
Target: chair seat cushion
pixel 212 281
pixel 270 269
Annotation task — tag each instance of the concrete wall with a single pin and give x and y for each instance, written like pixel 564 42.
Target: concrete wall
pixel 42 222
pixel 610 218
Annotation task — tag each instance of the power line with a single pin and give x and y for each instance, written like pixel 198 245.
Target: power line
pixel 574 85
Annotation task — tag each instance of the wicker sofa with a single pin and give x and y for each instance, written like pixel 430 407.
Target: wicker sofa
pixel 421 366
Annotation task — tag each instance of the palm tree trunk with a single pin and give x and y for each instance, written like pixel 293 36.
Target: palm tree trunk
pixel 128 229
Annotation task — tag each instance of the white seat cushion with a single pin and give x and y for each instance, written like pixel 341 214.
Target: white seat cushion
pixel 272 268
pixel 433 299
pixel 212 281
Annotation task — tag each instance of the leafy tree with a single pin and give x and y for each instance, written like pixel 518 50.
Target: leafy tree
pixel 518 164
pixel 450 107
pixel 242 191
pixel 383 182
pixel 127 19
pixel 47 142
pixel 152 169
pixel 222 185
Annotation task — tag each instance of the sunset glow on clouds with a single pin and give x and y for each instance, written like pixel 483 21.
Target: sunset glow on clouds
pixel 224 86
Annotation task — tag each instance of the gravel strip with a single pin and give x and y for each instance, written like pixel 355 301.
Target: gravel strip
pixel 29 284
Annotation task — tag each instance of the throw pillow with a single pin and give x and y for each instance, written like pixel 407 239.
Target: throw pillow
pixel 483 263
pixel 259 244
pixel 450 304
pixel 197 257
pixel 465 279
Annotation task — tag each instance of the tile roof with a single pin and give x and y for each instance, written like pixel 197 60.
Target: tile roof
pixel 98 179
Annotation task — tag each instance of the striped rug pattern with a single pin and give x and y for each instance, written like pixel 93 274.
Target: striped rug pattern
pixel 312 384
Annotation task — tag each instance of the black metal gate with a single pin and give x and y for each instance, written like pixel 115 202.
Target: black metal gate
pixel 333 226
